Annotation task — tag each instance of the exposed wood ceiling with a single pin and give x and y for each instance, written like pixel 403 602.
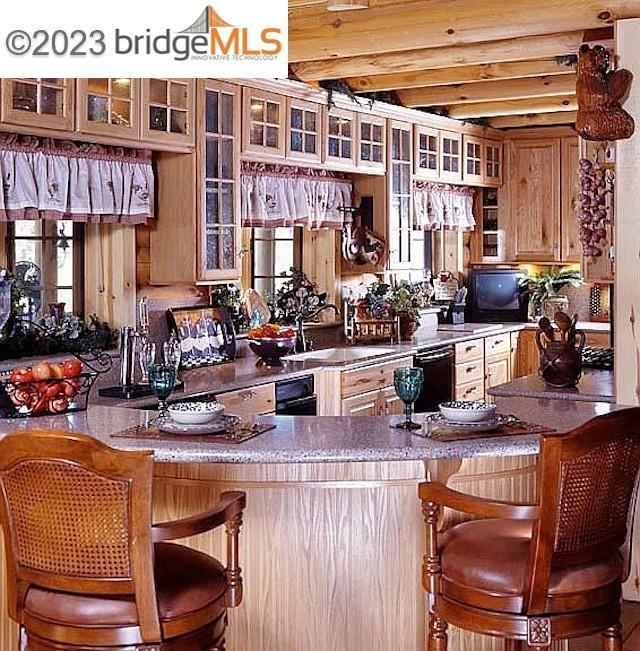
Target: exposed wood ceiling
pixel 469 58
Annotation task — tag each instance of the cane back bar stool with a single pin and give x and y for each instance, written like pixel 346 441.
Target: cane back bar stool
pixel 86 568
pixel 533 574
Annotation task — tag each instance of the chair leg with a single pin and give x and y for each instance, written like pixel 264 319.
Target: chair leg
pixel 437 634
pixel 612 639
pixel 514 645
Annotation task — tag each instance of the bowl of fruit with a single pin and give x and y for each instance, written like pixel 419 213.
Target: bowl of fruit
pixel 45 389
pixel 271 342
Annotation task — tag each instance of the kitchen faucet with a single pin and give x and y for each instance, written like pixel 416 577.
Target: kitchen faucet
pixel 302 346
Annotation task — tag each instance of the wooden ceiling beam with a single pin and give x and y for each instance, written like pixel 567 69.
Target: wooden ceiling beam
pixel 505 50
pixel 533 120
pixel 514 107
pixel 489 91
pixel 459 75
pixel 319 34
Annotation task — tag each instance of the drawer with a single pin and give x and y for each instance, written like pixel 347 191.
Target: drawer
pixel 469 372
pixel 252 401
pixel 469 351
pixel 497 345
pixel 369 378
pixel 470 391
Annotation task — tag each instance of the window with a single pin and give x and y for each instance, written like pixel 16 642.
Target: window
pixel 273 252
pixel 48 258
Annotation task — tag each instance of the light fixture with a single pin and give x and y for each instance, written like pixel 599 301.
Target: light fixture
pixel 346 5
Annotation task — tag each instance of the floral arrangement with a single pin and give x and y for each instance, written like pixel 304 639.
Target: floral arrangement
pixel 547 284
pixel 403 298
pixel 297 296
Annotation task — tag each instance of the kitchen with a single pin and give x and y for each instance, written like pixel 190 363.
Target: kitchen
pixel 294 243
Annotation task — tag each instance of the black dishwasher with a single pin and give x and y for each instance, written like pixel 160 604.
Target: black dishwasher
pixel 296 397
pixel 437 365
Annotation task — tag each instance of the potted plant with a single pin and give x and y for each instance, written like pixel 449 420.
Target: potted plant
pixel 404 299
pixel 544 290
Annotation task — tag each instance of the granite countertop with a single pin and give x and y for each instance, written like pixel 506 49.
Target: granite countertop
pixel 594 386
pixel 305 439
pixel 587 326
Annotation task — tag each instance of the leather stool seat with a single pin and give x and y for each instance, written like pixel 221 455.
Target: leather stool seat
pixel 187 582
pixel 486 562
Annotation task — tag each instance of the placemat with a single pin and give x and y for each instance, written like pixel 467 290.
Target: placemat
pixel 240 434
pixel 439 430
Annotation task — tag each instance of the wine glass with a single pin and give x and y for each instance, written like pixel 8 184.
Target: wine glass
pixel 162 379
pixel 408 384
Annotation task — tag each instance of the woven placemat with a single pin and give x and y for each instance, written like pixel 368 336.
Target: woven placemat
pixel 439 430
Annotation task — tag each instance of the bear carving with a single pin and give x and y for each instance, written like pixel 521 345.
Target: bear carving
pixel 600 93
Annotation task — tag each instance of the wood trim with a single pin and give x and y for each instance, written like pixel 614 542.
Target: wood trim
pixel 514 107
pixel 533 120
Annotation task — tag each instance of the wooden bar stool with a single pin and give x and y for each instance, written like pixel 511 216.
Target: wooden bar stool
pixel 86 568
pixel 533 574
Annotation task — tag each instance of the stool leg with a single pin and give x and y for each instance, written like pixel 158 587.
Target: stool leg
pixel 437 634
pixel 514 645
pixel 612 638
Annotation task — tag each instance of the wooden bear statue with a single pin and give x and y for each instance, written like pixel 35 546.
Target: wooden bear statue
pixel 600 92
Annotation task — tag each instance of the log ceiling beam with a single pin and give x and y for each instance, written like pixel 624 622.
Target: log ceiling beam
pixel 505 50
pixel 318 34
pixel 533 120
pixel 514 107
pixel 489 91
pixel 459 75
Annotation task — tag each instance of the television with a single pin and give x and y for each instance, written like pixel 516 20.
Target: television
pixel 495 296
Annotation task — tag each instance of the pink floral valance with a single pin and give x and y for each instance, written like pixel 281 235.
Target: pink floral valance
pixel 443 206
pixel 282 196
pixel 55 179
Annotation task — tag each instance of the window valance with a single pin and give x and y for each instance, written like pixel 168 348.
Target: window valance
pixel 443 206
pixel 55 179
pixel 276 196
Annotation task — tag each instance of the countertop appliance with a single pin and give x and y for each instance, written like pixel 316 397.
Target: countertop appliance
pixel 495 296
pixel 296 397
pixel 438 367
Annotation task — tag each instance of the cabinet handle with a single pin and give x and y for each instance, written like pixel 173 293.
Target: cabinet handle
pixel 470 369
pixel 470 348
pixel 247 395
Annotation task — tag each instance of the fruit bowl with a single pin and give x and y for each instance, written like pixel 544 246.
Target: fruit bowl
pixel 468 411
pixel 271 343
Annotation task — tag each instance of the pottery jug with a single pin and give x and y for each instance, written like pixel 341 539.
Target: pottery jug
pixel 561 361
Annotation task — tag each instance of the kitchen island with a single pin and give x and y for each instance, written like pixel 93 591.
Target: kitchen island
pixel 333 537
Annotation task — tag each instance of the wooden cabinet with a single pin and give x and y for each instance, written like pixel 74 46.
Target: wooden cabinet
pixel 571 249
pixel 469 370
pixel 168 110
pixel 383 402
pixel 340 138
pixel 468 351
pixel 492 162
pixel 367 378
pixel 371 143
pixel 304 131
pixel 254 401
pixel 534 192
pixel 46 103
pixel 264 117
pixel 109 107
pixel 472 166
pixel 497 350
pixel 514 366
pixel 390 403
pixel 450 156
pixel 427 153
pixel 528 355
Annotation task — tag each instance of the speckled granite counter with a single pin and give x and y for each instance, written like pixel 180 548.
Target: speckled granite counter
pixel 594 386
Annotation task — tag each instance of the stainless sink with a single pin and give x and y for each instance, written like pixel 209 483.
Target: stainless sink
pixel 341 355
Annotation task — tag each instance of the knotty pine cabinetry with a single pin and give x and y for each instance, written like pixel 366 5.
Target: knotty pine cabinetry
pixel 304 131
pixel 371 145
pixel 341 139
pixel 168 110
pixel 44 103
pixel 264 117
pixel 254 401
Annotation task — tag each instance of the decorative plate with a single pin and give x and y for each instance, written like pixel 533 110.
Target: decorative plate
pixel 226 424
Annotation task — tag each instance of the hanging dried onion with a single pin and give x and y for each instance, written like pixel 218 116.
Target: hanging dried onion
pixel 592 207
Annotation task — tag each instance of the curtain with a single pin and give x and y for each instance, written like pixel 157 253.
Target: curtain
pixel 443 206
pixel 279 196
pixel 52 179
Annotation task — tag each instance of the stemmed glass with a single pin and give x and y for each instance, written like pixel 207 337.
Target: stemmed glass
pixel 172 353
pixel 408 384
pixel 147 357
pixel 162 379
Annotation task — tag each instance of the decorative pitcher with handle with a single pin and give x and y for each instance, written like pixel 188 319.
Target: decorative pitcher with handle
pixel 561 361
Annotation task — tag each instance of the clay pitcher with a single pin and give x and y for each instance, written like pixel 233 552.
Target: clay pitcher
pixel 560 361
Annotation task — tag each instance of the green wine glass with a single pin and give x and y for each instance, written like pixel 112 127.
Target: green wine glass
pixel 162 379
pixel 408 383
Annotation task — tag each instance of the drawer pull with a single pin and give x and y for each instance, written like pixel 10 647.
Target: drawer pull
pixel 498 342
pixel 470 348
pixel 470 390
pixel 470 369
pixel 247 395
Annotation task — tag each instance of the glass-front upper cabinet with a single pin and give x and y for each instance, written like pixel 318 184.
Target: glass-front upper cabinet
pixel 340 138
pixel 493 162
pixel 38 102
pixel 264 123
pixel 304 131
pixel 168 110
pixel 219 164
pixel 473 162
pixel 427 152
pixel 109 107
pixel 450 156
pixel 371 142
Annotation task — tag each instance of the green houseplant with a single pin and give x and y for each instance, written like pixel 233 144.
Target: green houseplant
pixel 544 289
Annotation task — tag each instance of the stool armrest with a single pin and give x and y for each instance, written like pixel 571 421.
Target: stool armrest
pixel 229 507
pixel 439 494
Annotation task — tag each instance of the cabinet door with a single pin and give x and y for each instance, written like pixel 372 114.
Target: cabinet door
pixel 263 124
pixel 497 371
pixel 371 143
pixel 47 103
pixel 304 131
pixel 168 111
pixel 450 156
pixel 570 154
pixel 109 107
pixel 340 138
pixel 390 404
pixel 366 404
pixel 472 167
pixel 528 355
pixel 255 401
pixel 427 153
pixel 514 371
pixel 492 163
pixel 535 199
pixel 219 167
